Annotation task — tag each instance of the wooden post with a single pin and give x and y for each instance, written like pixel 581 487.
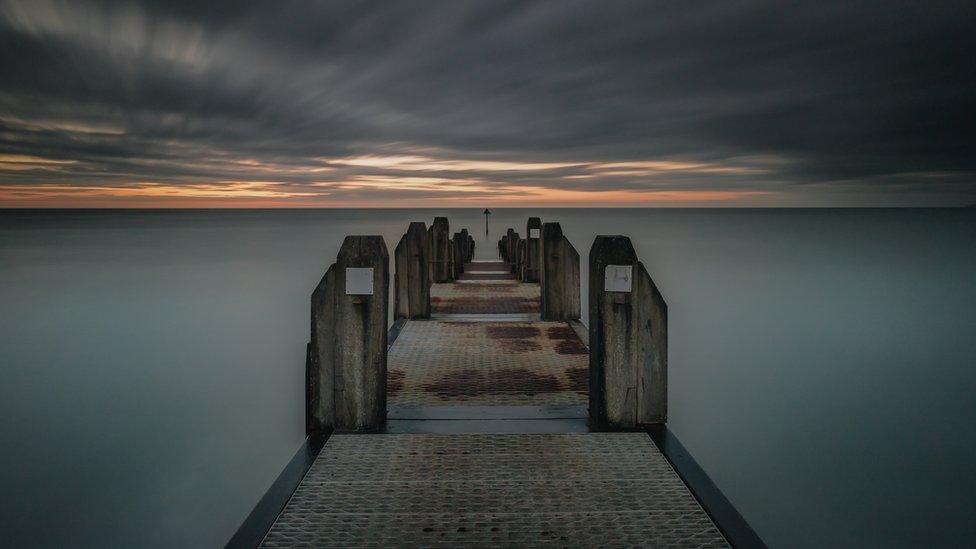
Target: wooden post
pixel 520 262
pixel 460 243
pixel 533 232
pixel 628 339
pixel 346 367
pixel 411 279
pixel 571 281
pixel 503 248
pixel 440 246
pixel 513 242
pixel 457 256
pixel 558 275
pixel 465 245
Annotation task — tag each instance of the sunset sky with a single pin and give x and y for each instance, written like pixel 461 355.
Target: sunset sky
pixel 412 104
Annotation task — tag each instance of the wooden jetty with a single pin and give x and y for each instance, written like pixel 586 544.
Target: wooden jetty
pixel 488 415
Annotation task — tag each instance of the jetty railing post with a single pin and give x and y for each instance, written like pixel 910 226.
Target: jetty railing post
pixel 571 283
pixel 533 232
pixel 457 251
pixel 509 243
pixel 513 243
pixel 346 367
pixel 411 278
pixel 628 339
pixel 558 275
pixel 503 248
pixel 520 262
pixel 465 246
pixel 440 245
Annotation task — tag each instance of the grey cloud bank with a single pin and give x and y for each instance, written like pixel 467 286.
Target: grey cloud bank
pixel 307 103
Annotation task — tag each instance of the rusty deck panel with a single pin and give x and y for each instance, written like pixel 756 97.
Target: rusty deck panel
pixel 578 490
pixel 487 297
pixel 496 363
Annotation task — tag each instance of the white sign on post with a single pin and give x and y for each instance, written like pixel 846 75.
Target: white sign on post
pixel 359 281
pixel 534 233
pixel 618 278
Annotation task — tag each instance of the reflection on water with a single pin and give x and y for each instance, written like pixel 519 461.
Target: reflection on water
pixel 821 363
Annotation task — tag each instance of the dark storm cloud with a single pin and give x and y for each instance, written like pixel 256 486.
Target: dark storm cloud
pixel 837 99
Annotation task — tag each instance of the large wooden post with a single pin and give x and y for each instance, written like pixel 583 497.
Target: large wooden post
pixel 411 280
pixel 346 367
pixel 628 339
pixel 533 233
pixel 457 244
pixel 509 242
pixel 440 246
pixel 466 245
pixel 520 262
pixel 558 275
pixel 513 245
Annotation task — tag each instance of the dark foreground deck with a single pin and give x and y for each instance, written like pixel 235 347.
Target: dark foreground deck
pixel 421 490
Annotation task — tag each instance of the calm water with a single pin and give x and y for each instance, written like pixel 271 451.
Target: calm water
pixel 823 363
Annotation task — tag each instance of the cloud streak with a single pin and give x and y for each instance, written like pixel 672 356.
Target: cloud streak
pixel 576 103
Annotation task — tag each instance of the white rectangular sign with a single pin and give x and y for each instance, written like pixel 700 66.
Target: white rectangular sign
pixel 618 278
pixel 534 233
pixel 359 281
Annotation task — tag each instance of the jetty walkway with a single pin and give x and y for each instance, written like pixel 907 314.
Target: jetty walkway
pixel 485 439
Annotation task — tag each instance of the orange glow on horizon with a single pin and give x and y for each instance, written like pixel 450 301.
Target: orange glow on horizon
pixel 424 179
pixel 431 192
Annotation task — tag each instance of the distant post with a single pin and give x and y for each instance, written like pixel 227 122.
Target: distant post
pixel 533 232
pixel 411 280
pixel 559 279
pixel 346 366
pixel 513 243
pixel 487 213
pixel 520 262
pixel 628 339
pixel 509 241
pixel 465 246
pixel 440 246
pixel 457 254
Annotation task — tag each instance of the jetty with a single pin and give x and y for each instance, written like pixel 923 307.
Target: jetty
pixel 486 414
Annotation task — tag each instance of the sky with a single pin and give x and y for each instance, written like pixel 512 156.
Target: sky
pixel 422 103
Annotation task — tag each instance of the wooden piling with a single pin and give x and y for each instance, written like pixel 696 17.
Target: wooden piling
pixel 533 232
pixel 628 339
pixel 558 275
pixel 346 366
pixel 465 246
pixel 520 260
pixel 457 256
pixel 411 280
pixel 513 243
pixel 440 247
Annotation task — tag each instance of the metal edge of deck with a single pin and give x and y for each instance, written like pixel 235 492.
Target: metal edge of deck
pixel 725 516
pixel 260 520
pixel 262 517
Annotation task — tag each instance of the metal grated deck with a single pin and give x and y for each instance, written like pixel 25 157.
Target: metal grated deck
pixel 494 368
pixel 595 489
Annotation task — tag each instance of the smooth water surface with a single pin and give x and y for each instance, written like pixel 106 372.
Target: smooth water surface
pixel 822 363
